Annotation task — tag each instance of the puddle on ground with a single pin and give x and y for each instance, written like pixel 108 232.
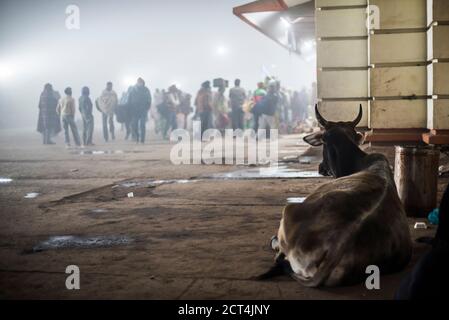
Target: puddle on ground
pixel 66 242
pixel 150 183
pixel 102 152
pixel 296 200
pixel 299 159
pixel 267 173
pixel 5 180
pixel 31 195
pixel 308 159
pixel 290 159
pixel 99 210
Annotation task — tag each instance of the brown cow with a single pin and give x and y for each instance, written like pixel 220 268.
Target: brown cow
pixel 346 224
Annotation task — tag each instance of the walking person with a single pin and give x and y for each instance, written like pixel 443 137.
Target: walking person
pixel 66 109
pixel 221 108
pixel 203 104
pixel 107 104
pixel 237 97
pixel 172 105
pixel 128 113
pixel 49 123
pixel 259 94
pixel 85 108
pixel 268 107
pixel 158 99
pixel 123 113
pixel 140 104
pixel 161 109
pixel 184 109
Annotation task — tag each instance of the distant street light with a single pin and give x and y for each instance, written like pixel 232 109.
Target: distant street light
pixel 6 71
pixel 129 81
pixel 222 50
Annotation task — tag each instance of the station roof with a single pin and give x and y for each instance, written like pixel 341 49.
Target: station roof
pixel 290 23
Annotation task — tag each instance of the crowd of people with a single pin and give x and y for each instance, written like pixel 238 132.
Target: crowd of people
pixel 269 107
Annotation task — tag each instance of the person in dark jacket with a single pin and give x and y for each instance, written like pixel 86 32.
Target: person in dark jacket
pixel 123 112
pixel 49 123
pixel 85 108
pixel 267 108
pixel 140 103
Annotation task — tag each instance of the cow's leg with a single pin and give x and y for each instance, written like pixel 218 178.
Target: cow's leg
pixel 281 267
pixel 274 243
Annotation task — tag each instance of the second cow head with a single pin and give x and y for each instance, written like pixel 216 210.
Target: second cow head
pixel 348 127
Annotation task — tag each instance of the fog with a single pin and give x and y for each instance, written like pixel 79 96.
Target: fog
pixel 165 42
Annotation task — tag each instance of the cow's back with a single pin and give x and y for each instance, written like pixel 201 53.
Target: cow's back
pixel 344 226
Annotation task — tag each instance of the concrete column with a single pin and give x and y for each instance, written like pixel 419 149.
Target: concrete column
pixel 398 72
pixel 342 59
pixel 438 72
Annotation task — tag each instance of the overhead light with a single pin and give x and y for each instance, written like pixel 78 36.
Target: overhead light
pixel 297 20
pixel 285 22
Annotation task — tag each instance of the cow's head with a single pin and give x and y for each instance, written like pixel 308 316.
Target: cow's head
pixel 347 128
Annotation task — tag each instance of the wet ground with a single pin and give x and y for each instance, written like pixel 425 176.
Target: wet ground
pixel 139 227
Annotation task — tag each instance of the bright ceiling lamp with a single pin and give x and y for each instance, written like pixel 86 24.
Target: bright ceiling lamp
pixel 287 23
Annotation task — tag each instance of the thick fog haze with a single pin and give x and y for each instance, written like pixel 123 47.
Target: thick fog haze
pixel 165 42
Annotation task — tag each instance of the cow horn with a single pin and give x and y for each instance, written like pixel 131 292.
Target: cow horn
pixel 319 117
pixel 359 117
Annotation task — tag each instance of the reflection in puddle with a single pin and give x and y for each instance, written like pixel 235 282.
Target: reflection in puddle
pixel 296 200
pixel 5 180
pixel 65 242
pixel 99 211
pixel 290 159
pixel 102 152
pixel 308 159
pixel 151 183
pixel 31 195
pixel 267 173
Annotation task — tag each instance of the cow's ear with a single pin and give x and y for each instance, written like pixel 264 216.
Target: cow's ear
pixel 360 138
pixel 314 139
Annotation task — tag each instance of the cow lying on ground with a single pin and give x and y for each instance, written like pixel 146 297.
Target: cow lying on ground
pixel 346 224
pixel 347 126
pixel 430 276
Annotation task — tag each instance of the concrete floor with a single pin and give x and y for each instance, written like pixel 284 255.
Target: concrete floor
pixel 203 239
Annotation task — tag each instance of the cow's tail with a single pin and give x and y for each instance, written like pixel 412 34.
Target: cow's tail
pixel 281 267
pixel 442 234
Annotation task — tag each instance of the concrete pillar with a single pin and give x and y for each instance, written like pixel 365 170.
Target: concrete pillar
pixel 438 72
pixel 342 59
pixel 398 72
